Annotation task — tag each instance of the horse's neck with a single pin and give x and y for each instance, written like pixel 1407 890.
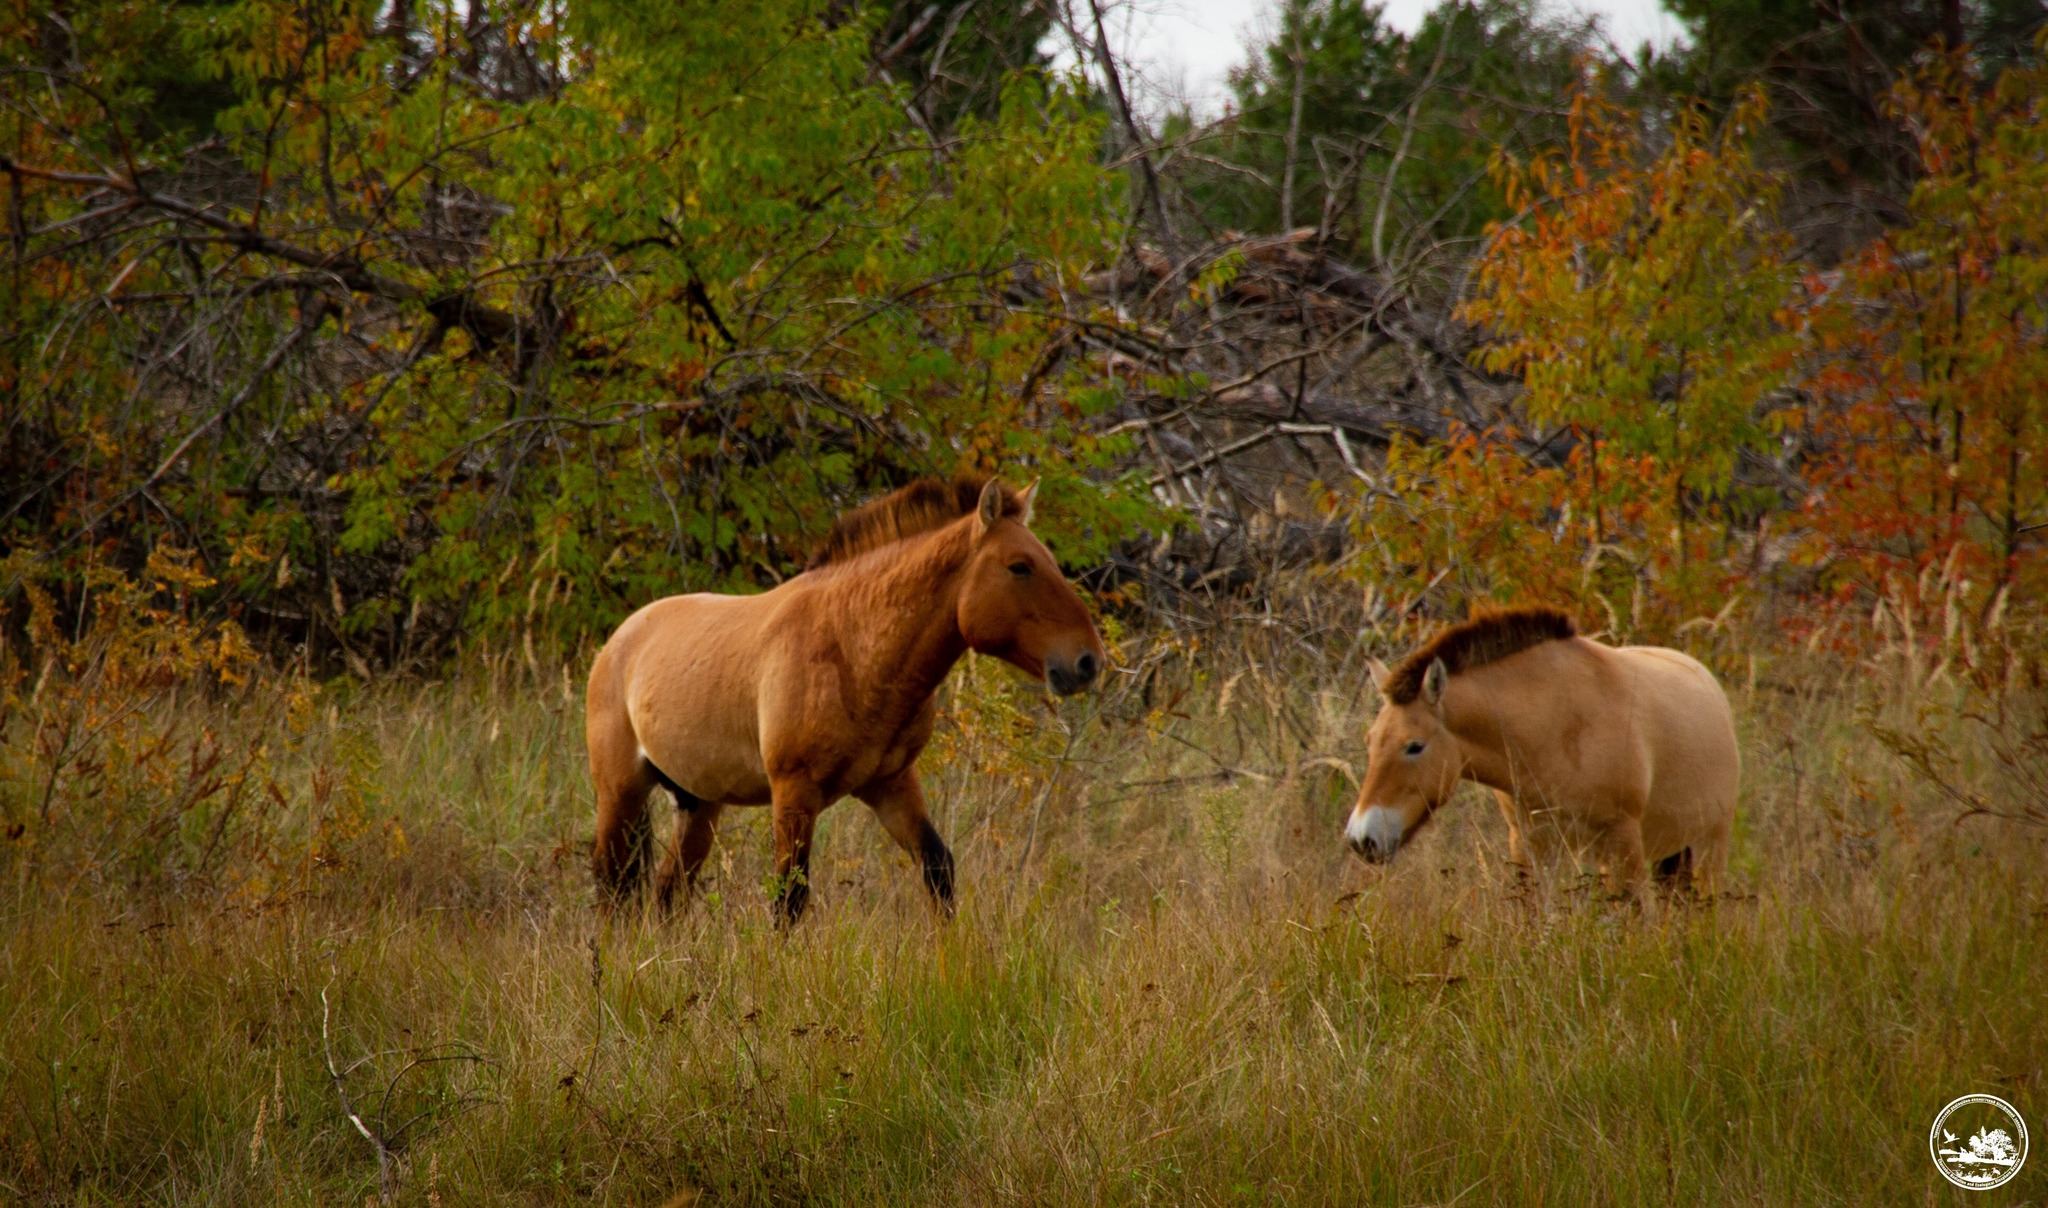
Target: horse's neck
pixel 1486 739
pixel 1502 727
pixel 898 622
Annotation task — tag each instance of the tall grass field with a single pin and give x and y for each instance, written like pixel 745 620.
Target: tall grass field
pixel 293 944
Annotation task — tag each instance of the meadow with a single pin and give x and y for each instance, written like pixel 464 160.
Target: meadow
pixel 371 969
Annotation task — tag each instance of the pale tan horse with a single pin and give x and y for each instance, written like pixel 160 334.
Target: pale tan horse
pixel 823 686
pixel 1626 754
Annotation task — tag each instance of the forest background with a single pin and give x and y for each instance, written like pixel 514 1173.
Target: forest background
pixel 359 359
pixel 404 326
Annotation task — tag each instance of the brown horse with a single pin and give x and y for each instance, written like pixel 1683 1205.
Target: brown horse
pixel 1627 753
pixel 823 686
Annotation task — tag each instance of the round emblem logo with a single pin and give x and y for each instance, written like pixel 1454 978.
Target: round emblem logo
pixel 1978 1142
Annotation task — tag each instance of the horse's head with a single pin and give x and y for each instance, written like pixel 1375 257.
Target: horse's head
pixel 1015 604
pixel 1412 766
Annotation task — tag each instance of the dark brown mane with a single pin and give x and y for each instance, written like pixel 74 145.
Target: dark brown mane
pixel 920 507
pixel 1486 638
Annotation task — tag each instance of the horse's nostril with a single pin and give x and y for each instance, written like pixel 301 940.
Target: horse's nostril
pixel 1085 666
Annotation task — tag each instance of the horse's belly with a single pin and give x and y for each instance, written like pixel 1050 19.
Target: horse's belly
pixel 726 772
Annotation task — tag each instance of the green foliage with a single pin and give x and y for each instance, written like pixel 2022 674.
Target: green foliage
pixel 522 321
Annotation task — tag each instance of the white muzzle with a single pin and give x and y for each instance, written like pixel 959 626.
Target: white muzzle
pixel 1374 833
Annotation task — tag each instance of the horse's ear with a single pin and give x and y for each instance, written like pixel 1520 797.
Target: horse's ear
pixel 991 508
pixel 1379 673
pixel 1026 497
pixel 1433 682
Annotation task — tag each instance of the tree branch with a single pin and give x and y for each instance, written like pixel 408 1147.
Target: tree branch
pixel 489 325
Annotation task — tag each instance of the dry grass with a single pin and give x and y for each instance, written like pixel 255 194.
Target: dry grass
pixel 1187 994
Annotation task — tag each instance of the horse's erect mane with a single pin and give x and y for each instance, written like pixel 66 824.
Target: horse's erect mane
pixel 1486 638
pixel 922 506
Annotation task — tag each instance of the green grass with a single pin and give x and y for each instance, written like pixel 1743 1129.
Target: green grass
pixel 1188 994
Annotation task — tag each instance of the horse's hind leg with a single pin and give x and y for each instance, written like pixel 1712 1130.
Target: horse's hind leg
pixel 1710 862
pixel 622 778
pixel 1622 853
pixel 1674 872
pixel 624 841
pixel 696 826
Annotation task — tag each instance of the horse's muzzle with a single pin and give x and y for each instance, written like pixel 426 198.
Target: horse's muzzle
pixel 1374 834
pixel 1069 676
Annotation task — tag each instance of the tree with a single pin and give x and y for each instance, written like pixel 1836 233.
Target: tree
pixel 1641 299
pixel 954 56
pixel 503 318
pixel 1381 140
pixel 1929 380
pixel 1828 69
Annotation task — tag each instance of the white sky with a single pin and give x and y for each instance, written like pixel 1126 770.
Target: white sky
pixel 1176 46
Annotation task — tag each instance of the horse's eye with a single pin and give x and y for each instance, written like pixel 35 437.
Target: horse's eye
pixel 1021 569
pixel 1414 748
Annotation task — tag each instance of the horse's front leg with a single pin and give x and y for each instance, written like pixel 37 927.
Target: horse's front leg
pixel 1518 843
pixel 795 804
pixel 898 803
